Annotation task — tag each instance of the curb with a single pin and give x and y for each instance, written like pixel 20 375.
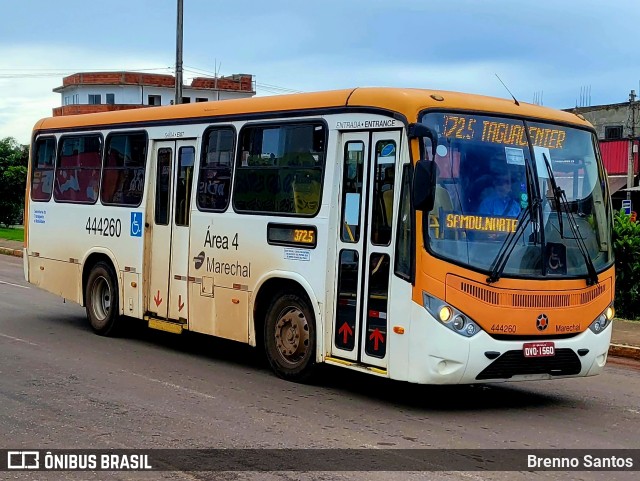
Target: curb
pixel 11 252
pixel 622 350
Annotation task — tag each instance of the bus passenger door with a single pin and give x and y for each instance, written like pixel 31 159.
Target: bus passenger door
pixel 361 322
pixel 351 240
pixel 169 215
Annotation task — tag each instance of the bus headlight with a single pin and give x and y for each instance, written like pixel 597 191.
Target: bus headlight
pixel 449 316
pixel 445 313
pixel 610 313
pixel 602 321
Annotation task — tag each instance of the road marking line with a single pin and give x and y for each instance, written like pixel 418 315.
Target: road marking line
pixel 15 285
pixel 175 386
pixel 18 339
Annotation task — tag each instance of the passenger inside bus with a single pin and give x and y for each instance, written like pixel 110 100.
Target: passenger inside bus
pixel 387 194
pixel 383 204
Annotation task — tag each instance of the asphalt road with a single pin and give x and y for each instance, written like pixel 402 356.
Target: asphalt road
pixel 62 387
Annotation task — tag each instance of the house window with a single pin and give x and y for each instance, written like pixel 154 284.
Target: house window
pixel 95 99
pixel 111 99
pixel 613 133
pixel 154 100
pixel 186 100
pixel 202 99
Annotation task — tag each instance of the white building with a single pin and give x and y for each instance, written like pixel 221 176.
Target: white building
pixel 88 92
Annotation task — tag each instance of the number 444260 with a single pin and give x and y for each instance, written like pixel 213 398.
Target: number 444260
pixel 104 226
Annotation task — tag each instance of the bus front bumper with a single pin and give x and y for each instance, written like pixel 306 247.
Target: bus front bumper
pixel 438 355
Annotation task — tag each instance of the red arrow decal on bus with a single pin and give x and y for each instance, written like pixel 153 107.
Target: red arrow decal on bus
pixel 157 298
pixel 346 331
pixel 377 337
pixel 180 303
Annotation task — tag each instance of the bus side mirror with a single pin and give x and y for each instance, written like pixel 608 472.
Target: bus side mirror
pixel 424 185
pixel 420 131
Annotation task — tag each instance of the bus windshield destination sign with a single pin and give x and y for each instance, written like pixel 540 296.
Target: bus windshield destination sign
pixel 501 132
pixel 481 223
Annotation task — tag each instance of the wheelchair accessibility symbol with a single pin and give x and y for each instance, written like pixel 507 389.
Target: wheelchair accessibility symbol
pixel 136 224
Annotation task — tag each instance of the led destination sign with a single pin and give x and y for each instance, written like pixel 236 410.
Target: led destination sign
pixel 481 223
pixel 291 235
pixel 501 132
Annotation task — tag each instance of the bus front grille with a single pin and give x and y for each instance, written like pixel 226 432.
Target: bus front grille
pixel 513 363
pixel 528 300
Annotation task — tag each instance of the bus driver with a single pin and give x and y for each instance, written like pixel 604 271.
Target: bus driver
pixel 499 202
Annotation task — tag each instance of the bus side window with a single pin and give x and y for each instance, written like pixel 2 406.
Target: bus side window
pixel 163 186
pixel 383 180
pixel 404 237
pixel 281 168
pixel 214 177
pixel 42 169
pixel 186 158
pixel 124 169
pixel 352 191
pixel 77 178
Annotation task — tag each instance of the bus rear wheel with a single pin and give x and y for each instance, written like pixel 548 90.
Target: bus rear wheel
pixel 101 299
pixel 290 337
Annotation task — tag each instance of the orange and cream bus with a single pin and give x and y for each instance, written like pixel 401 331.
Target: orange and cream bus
pixel 431 237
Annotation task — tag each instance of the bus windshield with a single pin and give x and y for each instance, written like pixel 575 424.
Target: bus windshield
pixel 496 173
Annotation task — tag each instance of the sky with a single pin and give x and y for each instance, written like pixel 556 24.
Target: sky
pixel 552 51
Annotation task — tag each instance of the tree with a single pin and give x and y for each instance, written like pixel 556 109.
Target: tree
pixel 626 245
pixel 14 159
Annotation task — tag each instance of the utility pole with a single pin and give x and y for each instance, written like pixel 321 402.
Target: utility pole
pixel 630 170
pixel 178 99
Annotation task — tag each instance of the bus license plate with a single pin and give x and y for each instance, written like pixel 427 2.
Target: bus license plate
pixel 539 349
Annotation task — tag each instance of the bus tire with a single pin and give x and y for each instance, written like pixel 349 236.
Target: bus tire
pixel 290 337
pixel 101 299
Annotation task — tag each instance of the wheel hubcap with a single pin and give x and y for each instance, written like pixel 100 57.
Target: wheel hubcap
pixel 101 299
pixel 292 335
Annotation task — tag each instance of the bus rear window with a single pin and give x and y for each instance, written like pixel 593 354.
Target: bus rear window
pixel 42 168
pixel 78 169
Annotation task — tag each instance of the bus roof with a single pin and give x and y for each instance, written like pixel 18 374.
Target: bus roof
pixel 408 102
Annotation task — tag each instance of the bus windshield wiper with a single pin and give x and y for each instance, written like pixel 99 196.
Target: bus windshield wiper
pixel 557 193
pixel 561 201
pixel 500 262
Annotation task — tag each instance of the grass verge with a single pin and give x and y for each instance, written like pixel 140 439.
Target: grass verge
pixel 13 233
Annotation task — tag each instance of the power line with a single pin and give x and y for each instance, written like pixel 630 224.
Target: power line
pixel 262 86
pixel 33 73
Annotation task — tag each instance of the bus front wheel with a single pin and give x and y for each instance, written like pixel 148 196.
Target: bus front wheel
pixel 290 337
pixel 101 299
